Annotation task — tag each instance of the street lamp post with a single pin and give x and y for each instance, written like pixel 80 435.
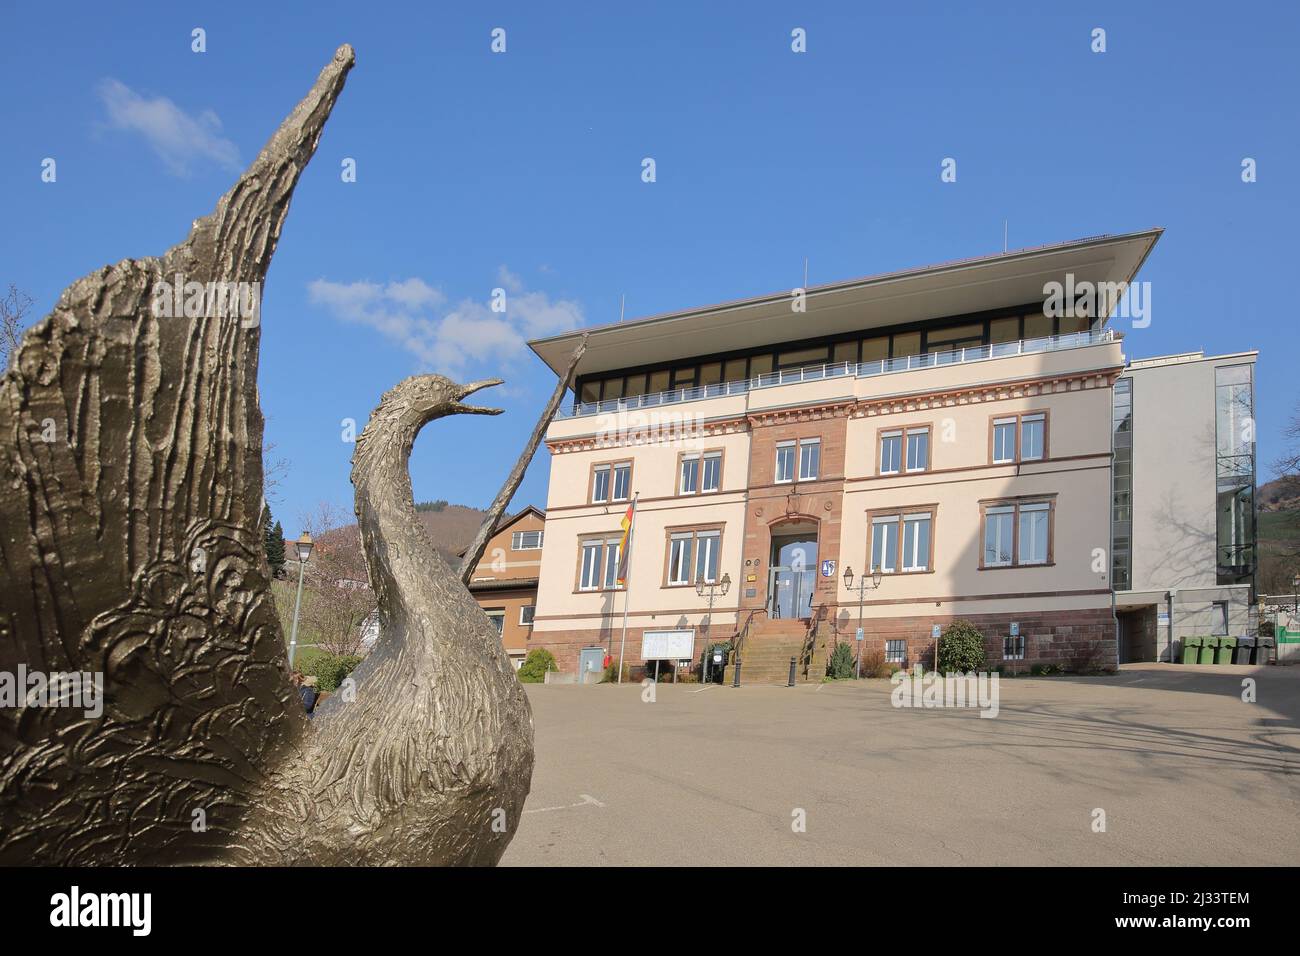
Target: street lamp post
pixel 304 545
pixel 861 589
pixel 713 588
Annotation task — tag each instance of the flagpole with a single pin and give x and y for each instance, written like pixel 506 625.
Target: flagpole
pixel 627 591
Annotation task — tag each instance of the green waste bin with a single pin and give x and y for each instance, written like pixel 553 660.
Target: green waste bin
pixel 1191 648
pixel 1207 651
pixel 1223 653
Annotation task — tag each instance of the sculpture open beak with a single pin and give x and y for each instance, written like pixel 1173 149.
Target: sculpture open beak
pixel 459 408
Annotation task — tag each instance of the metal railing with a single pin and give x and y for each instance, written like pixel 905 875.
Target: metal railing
pixel 816 373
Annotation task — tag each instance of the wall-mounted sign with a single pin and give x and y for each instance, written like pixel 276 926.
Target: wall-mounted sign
pixel 751 592
pixel 828 569
pixel 1015 629
pixel 751 577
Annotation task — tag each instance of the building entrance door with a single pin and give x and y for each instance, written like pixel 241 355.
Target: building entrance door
pixel 792 575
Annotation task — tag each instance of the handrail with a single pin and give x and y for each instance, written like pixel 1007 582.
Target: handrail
pixel 813 373
pixel 810 638
pixel 742 632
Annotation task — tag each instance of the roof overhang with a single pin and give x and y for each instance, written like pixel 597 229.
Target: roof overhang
pixel 967 286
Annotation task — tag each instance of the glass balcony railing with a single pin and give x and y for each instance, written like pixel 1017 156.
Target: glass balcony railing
pixel 816 373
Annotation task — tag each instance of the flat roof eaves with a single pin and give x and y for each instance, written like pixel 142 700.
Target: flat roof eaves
pixel 963 286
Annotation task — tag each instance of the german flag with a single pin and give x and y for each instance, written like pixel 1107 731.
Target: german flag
pixel 622 545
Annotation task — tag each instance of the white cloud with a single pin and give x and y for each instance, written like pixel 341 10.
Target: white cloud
pixel 180 140
pixel 411 314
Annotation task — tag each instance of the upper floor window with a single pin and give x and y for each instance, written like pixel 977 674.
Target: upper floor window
pixel 902 542
pixel 699 473
pixel 805 454
pixel 693 556
pixel 598 564
pixel 1017 534
pixel 918 449
pixel 905 448
pixel 611 481
pixel 810 458
pixel 1019 438
pixel 526 541
pixel 526 614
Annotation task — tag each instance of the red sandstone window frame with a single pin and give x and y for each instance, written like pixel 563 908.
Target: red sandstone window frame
pixel 1015 503
pixel 904 433
pixel 1019 435
pixel 606 539
pixel 612 466
pixel 901 514
pixel 695 530
pixel 719 453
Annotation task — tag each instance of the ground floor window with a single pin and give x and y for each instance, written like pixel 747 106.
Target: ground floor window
pixel 1013 648
pixel 895 652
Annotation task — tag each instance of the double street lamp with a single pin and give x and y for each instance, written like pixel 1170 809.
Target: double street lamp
pixel 712 589
pixel 862 587
pixel 303 546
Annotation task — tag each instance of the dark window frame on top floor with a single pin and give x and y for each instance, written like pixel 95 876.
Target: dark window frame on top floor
pixel 687 374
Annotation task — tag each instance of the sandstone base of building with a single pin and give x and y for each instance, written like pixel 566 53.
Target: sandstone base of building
pixel 1076 640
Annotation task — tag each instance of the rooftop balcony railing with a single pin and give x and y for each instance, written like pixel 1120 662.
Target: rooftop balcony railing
pixel 816 373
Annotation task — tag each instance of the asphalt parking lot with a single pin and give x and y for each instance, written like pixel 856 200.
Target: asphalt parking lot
pixel 1185 772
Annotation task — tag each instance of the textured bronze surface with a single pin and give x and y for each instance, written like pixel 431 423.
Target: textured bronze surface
pixel 132 493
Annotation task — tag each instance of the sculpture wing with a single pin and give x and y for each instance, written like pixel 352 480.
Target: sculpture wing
pixel 131 547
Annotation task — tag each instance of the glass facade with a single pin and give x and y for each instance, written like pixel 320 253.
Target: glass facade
pixel 1234 439
pixel 1121 514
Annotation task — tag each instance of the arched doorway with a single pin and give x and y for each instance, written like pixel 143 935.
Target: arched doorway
pixel 792 569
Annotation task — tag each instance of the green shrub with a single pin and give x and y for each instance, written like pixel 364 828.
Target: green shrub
pixel 961 648
pixel 330 669
pixel 535 665
pixel 840 665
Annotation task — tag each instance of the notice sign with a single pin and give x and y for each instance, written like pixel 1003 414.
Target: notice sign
pixel 668 645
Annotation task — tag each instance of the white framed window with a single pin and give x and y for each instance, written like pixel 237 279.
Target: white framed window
pixel 999 528
pixel 622 481
pixel 598 565
pixel 1034 521
pixel 589 577
pixel 688 481
pixel 711 471
pixel 916 542
pixel 706 556
pixel 613 549
pixel 918 449
pixel 884 544
pixel 693 556
pixel 891 452
pixel 1033 430
pixel 526 614
pixel 600 483
pixel 1004 440
pixel 497 615
pixel 679 557
pixel 785 461
pixel 810 457
pixel 895 652
pixel 526 541
pixel 1013 648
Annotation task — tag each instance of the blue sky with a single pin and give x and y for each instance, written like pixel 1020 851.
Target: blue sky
pixel 522 170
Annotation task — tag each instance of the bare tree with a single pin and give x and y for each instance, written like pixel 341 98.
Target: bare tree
pixel 338 596
pixel 13 317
